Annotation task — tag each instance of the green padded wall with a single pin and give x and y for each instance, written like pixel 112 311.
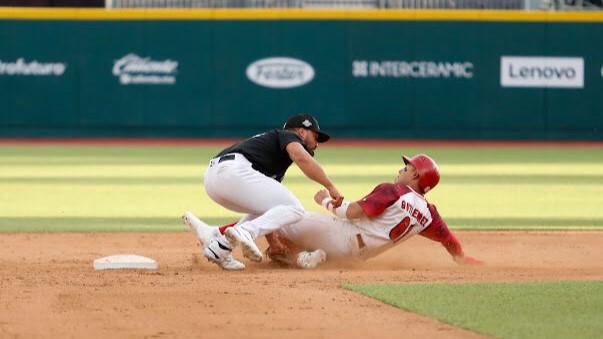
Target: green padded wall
pixel 456 77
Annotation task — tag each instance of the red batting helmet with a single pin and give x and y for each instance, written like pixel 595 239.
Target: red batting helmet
pixel 428 170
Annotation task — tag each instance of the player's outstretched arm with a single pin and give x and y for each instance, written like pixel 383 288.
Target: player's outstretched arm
pixel 312 169
pixel 443 235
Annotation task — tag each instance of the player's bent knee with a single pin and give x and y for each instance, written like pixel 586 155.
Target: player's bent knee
pixel 292 213
pixel 299 211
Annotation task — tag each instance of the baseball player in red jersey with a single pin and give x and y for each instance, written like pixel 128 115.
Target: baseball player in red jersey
pixel 389 215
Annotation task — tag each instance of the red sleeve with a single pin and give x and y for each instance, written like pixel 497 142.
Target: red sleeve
pixel 438 231
pixel 379 199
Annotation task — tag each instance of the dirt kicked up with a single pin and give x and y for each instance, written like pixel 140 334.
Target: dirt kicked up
pixel 49 289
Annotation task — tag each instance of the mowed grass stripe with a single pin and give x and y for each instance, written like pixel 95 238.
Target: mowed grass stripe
pixel 378 168
pixel 110 155
pixel 90 224
pixel 482 188
pixel 546 310
pixel 146 180
pixel 523 223
pixel 168 224
pixel 341 179
pixel 479 156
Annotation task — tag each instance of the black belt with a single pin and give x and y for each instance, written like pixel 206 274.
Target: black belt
pixel 226 157
pixel 217 160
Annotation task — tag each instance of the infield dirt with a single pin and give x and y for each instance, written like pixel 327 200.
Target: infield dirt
pixel 49 289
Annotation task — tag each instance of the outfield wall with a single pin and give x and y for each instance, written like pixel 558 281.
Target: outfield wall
pixel 231 73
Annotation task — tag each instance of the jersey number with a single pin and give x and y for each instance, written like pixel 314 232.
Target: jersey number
pixel 400 230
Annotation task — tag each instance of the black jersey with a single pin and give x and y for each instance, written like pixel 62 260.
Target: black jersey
pixel 267 152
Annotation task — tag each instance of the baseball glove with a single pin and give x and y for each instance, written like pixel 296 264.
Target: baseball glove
pixel 281 256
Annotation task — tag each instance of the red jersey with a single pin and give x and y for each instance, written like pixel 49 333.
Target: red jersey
pixel 396 213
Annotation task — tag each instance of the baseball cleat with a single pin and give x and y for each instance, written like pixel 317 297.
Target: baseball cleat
pixel 220 254
pixel 201 229
pixel 237 235
pixel 311 259
pixel 210 248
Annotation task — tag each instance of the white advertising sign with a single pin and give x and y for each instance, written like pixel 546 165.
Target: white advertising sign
pixel 555 72
pixel 415 69
pixel 134 70
pixel 22 67
pixel 280 72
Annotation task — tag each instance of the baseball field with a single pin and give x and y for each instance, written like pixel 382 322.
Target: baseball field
pixel 532 212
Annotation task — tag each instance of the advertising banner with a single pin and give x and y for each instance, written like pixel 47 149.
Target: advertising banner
pixel 362 78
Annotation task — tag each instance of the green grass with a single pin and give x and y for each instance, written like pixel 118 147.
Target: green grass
pixel 112 188
pixel 100 189
pixel 504 310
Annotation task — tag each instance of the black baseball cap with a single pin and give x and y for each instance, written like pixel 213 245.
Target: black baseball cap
pixel 308 122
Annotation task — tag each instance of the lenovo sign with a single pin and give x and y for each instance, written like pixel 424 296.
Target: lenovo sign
pixel 557 72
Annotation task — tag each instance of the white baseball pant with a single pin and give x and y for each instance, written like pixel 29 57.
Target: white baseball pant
pixel 268 204
pixel 339 238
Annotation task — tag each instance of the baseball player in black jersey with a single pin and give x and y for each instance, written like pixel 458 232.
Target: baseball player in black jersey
pixel 246 178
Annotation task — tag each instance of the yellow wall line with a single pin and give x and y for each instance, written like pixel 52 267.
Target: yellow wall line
pixel 13 13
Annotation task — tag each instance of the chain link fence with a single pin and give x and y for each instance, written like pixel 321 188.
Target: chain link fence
pixel 364 4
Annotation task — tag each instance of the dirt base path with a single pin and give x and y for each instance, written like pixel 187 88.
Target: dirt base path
pixel 48 288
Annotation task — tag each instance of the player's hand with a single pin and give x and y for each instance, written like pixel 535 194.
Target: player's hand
pixel 320 196
pixel 337 202
pixel 468 261
pixel 336 196
pixel 324 194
